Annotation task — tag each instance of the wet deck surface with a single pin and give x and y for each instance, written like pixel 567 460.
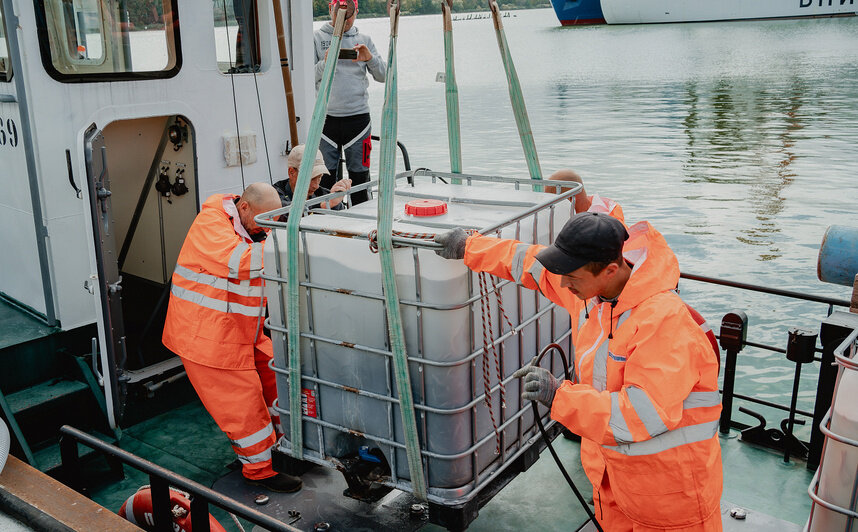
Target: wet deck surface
pixel 188 442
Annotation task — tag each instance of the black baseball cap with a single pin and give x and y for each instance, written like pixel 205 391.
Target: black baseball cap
pixel 587 237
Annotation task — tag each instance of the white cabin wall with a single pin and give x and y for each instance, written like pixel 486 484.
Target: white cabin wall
pixel 301 59
pixel 19 254
pixel 61 112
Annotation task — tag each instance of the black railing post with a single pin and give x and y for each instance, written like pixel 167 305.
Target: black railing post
pixel 734 331
pixel 160 490
pixel 801 349
pixel 199 515
pixel 832 332
pixel 70 463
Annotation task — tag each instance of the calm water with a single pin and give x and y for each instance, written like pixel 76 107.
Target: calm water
pixel 736 140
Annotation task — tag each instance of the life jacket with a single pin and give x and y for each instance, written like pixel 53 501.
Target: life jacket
pixel 217 301
pixel 644 397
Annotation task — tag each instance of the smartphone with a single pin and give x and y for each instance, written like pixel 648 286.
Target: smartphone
pixel 347 53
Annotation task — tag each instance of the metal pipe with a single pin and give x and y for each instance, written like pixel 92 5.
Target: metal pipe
pixel 28 135
pixel 69 452
pixel 766 290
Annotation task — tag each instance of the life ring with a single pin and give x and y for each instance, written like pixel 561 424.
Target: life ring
pixel 138 510
pixel 701 321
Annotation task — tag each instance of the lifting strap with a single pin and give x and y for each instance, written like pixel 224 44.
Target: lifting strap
pixel 451 92
pixel 299 198
pixel 517 99
pixel 387 182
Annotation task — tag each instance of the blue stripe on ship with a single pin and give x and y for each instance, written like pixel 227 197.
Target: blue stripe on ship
pixel 577 12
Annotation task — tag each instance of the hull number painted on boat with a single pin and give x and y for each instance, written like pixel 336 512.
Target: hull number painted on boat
pixel 8 133
pixel 808 3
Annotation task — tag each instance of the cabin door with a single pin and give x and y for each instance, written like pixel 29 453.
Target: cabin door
pixel 112 351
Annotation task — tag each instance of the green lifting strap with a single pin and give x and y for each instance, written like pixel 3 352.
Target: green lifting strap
pixel 387 182
pixel 452 92
pixel 517 99
pixel 299 198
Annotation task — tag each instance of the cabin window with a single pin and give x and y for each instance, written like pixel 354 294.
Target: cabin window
pixel 103 40
pixel 236 27
pixel 5 66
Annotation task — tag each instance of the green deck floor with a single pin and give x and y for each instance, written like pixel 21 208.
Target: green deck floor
pixel 17 327
pixel 188 442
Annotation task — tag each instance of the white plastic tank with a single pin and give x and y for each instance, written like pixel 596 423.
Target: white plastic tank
pixel 838 479
pixel 350 334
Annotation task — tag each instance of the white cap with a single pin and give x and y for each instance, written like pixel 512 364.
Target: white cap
pixel 297 155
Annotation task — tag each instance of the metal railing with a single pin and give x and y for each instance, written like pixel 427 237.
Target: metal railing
pixel 160 481
pixel 845 362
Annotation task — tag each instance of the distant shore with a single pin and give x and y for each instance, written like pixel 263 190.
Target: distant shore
pixel 456 15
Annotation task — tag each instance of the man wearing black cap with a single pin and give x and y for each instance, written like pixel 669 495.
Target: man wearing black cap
pixel 644 397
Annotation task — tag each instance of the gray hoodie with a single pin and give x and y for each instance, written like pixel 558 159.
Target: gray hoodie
pixel 349 93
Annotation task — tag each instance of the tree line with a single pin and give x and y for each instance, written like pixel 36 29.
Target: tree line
pixel 422 7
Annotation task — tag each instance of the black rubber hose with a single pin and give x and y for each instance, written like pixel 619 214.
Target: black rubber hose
pixel 545 437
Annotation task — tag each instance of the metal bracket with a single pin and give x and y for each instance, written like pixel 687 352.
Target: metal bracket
pixel 773 438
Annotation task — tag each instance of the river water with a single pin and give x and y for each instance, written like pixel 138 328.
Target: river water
pixel 736 140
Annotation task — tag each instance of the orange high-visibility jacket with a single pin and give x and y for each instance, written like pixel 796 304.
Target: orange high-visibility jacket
pixel 217 302
pixel 645 402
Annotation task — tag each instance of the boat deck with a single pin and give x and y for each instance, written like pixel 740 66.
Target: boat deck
pixel 18 327
pixel 188 442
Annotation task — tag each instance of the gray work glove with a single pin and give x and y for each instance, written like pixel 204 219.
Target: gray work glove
pixel 453 242
pixel 539 384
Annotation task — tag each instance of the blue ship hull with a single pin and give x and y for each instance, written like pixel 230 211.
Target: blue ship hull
pixel 578 12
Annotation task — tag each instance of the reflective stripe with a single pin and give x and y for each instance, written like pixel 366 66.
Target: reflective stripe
pixel 256 458
pixel 618 422
pixel 256 250
pixel 701 399
pixel 646 411
pixel 600 364
pixel 582 316
pixel 254 438
pixel 668 440
pixel 235 259
pixel 244 288
pixel 595 345
pixel 536 270
pixel 600 368
pixel 216 304
pixel 517 266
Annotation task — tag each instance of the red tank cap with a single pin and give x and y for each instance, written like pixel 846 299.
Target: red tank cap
pixel 426 207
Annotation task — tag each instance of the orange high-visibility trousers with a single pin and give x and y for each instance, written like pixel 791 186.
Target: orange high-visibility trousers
pixel 612 518
pixel 240 403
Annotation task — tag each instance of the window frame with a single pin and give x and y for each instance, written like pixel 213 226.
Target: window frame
pixel 7 73
pixel 97 77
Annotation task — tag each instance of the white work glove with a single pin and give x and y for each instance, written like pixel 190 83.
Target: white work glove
pixel 539 384
pixel 453 242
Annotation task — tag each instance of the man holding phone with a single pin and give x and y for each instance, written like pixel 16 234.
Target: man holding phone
pixel 347 125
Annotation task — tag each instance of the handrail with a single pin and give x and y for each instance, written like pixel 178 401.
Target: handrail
pixel 767 290
pixel 160 480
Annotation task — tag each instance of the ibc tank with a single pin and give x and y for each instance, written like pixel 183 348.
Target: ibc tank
pixel 348 391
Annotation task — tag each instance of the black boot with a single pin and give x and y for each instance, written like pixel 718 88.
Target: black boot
pixel 281 483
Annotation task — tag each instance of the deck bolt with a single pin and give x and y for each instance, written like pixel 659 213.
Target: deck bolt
pixel 261 499
pixel 738 513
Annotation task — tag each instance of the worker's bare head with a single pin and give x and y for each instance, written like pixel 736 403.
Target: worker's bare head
pixel 256 199
pixel 349 7
pixel 582 202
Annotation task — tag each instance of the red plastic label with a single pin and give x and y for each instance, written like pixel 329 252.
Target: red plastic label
pixel 308 402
